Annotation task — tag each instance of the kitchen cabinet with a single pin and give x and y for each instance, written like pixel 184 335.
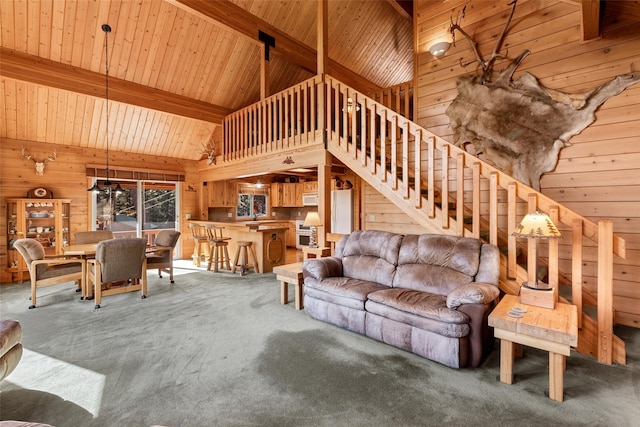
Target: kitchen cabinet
pixel 310 187
pixel 286 195
pixel 291 234
pixel 290 193
pixel 46 220
pixel 276 195
pixel 290 226
pixel 222 194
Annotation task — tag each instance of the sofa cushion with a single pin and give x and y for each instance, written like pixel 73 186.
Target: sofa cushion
pixel 341 290
pixel 421 304
pixel 437 263
pixel 10 347
pixel 57 270
pixel 321 268
pixel 370 255
pixel 10 334
pixel 452 330
pixel 473 293
pixel 458 253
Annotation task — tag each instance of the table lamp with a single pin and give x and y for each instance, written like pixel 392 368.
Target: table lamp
pixel 312 220
pixel 537 226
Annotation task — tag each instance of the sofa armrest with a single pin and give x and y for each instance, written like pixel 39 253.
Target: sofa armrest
pixel 472 293
pixel 321 268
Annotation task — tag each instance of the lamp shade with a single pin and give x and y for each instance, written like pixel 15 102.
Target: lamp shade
pixel 312 219
pixel 537 225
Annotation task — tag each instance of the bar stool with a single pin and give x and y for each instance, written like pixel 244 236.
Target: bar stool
pixel 200 243
pixel 241 253
pixel 218 245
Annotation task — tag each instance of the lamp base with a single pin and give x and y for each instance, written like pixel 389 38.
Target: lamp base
pixel 545 297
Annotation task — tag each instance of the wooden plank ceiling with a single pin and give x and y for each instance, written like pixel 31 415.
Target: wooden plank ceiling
pixel 175 70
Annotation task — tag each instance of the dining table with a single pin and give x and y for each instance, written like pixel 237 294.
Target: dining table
pixel 85 250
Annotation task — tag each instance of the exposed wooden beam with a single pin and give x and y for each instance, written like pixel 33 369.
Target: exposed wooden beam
pixel 231 16
pixel 403 7
pixel 33 69
pixel 590 22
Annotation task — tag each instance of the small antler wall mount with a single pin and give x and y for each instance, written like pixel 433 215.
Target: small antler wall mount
pixel 39 164
pixel 209 149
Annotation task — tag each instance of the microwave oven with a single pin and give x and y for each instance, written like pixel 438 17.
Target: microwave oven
pixel 310 199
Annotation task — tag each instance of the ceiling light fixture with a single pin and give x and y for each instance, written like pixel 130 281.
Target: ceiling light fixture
pixel 108 184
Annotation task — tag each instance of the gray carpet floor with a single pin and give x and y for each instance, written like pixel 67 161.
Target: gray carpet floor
pixel 220 350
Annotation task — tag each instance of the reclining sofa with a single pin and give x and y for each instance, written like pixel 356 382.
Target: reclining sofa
pixel 428 294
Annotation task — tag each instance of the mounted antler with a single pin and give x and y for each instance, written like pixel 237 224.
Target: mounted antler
pixel 39 165
pixel 210 151
pixel 487 66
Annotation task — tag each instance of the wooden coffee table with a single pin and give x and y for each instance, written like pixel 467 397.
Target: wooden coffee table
pixel 290 274
pixel 554 330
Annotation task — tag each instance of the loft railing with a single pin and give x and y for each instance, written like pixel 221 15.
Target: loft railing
pixel 286 120
pixel 437 184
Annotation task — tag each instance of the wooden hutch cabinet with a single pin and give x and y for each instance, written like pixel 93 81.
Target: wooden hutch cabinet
pixel 46 220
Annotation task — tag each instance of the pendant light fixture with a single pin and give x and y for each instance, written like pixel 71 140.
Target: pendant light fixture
pixel 107 184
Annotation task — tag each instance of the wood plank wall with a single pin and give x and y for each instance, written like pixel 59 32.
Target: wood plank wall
pixel 599 175
pixel 66 178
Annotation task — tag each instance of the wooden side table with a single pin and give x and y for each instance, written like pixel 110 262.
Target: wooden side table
pixel 290 274
pixel 553 330
pixel 315 252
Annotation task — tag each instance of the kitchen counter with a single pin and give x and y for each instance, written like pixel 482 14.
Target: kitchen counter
pixel 269 241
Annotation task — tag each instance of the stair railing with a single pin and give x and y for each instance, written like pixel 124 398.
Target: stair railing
pixel 398 98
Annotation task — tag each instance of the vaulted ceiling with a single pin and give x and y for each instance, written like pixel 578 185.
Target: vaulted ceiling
pixel 176 67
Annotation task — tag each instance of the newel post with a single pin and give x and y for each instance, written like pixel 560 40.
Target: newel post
pixel 605 291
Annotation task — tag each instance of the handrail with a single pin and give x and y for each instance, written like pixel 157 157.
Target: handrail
pixel 398 98
pixel 434 182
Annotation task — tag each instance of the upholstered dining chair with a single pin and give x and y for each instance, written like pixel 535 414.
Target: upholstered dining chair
pixel 86 237
pixel 120 266
pixel 161 255
pixel 48 271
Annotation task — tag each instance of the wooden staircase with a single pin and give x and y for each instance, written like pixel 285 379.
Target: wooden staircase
pixel 439 186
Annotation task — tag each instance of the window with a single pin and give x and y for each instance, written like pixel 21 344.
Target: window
pixel 143 209
pixel 251 205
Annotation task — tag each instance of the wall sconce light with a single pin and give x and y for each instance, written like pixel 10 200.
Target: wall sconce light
pixel 350 106
pixel 439 49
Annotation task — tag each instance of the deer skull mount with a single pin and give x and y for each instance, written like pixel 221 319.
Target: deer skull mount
pixel 210 151
pixel 519 125
pixel 39 164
